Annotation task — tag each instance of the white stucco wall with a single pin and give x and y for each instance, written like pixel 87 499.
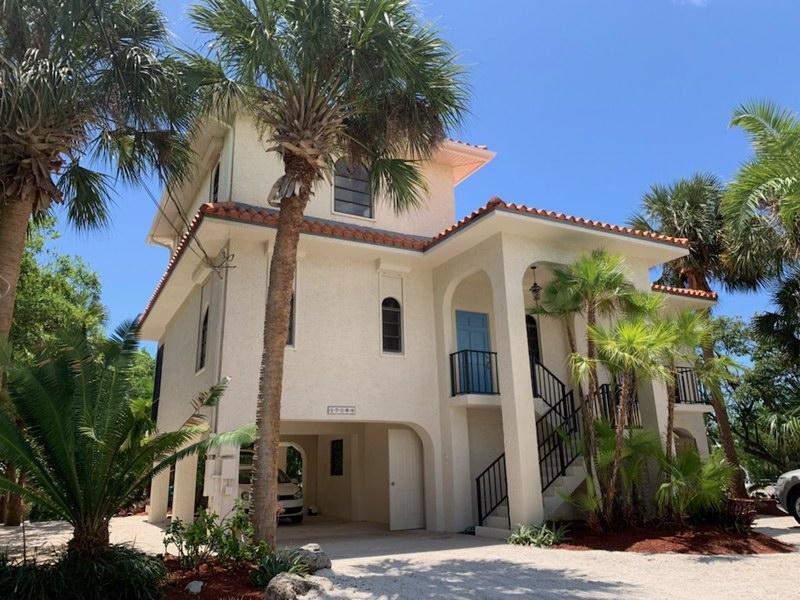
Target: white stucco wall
pixel 255 171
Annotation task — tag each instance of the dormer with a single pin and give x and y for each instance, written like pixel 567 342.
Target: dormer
pixel 233 166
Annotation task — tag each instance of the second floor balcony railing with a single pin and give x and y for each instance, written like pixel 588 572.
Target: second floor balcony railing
pixel 688 388
pixel 473 372
pixel 606 404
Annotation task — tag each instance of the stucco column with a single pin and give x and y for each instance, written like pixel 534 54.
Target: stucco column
pixel 185 485
pixel 653 406
pixel 159 497
pixel 516 395
pixel 460 513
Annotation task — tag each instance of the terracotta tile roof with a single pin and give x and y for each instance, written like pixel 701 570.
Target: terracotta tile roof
pixel 268 217
pixel 478 146
pixel 691 293
pixel 183 244
pixel 500 204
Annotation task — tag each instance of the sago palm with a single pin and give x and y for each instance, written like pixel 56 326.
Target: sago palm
pixel 692 208
pixel 360 80
pixel 80 80
pixel 86 453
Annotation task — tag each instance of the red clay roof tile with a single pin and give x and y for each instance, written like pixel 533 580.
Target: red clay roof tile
pixel 689 292
pixel 269 217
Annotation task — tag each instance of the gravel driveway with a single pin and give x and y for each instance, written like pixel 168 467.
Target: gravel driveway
pixel 370 563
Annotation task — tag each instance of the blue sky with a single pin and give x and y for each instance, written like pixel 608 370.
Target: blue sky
pixel 586 104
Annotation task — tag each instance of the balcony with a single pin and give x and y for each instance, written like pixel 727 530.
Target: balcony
pixel 606 404
pixel 688 388
pixel 473 372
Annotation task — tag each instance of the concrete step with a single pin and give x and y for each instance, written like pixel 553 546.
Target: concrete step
pixel 500 511
pixel 497 533
pixel 496 521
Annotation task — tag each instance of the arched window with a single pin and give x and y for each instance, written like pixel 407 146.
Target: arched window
pixel 392 326
pixel 351 190
pixel 213 192
pixel 532 327
pixel 202 341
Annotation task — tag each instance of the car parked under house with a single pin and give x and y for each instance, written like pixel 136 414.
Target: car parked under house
pixel 420 391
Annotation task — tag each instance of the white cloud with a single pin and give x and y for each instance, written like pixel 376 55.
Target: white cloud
pixel 695 3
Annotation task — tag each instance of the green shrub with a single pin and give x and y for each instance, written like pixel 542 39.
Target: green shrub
pixel 196 542
pixel 543 536
pixel 273 562
pixel 695 489
pixel 120 572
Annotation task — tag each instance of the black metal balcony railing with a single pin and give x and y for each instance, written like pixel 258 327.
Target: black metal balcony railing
pixel 688 388
pixel 473 372
pixel 606 403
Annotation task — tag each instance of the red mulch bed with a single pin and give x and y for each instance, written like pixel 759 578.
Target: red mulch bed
pixel 218 582
pixel 673 539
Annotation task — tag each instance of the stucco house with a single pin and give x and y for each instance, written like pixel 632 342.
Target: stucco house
pixel 418 390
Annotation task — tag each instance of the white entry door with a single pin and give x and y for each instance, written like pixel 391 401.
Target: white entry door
pixel 406 491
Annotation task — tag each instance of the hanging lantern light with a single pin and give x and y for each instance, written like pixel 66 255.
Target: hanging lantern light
pixel 536 289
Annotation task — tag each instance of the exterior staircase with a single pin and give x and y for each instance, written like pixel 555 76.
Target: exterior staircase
pixel 559 432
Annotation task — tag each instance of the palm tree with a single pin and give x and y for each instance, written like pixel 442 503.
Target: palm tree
pixel 79 78
pixel 632 350
pixel 361 80
pixel 765 193
pixel 692 208
pixel 690 330
pixel 85 451
pixel 595 285
pixel 782 325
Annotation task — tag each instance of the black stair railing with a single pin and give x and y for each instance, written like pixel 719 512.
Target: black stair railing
pixel 688 388
pixel 473 372
pixel 492 487
pixel 558 432
pixel 546 385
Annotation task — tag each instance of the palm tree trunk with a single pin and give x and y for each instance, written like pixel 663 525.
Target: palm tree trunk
pixel 591 352
pixel 14 503
pixel 89 538
pixel 14 217
pixel 725 433
pixel 668 447
pixel 276 333
pixel 619 441
pixel 700 282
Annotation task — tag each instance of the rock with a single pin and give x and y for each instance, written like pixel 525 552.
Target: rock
pixel 314 557
pixel 328 573
pixel 194 587
pixel 288 586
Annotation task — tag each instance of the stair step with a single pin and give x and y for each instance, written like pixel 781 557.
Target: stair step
pixel 496 522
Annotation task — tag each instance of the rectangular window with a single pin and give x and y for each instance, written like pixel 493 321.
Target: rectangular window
pixel 213 193
pixel 337 458
pixel 351 194
pixel 157 383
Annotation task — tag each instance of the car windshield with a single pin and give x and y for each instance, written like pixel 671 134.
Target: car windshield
pixel 283 477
